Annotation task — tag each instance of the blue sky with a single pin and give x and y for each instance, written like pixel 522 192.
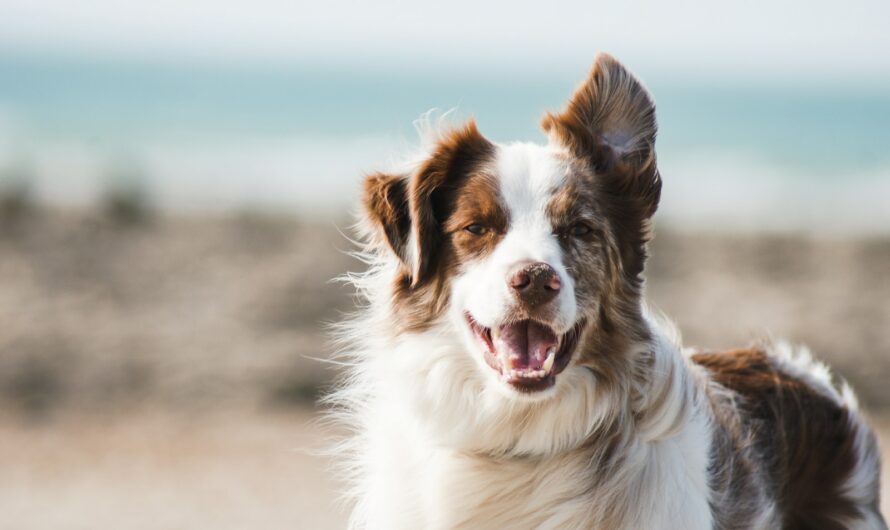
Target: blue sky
pixel 843 42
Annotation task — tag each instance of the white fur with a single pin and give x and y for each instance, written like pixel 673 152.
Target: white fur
pixel 439 449
pixel 799 362
pixel 862 485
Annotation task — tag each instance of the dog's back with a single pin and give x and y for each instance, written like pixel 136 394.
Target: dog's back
pixel 787 429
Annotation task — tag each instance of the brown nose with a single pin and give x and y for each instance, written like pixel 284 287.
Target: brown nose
pixel 534 283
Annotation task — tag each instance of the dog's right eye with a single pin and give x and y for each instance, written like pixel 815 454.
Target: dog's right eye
pixel 579 230
pixel 476 229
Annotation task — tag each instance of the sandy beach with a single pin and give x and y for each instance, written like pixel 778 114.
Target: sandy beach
pixel 231 471
pixel 161 372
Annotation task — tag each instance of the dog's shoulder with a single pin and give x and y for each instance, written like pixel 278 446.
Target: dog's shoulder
pixel 802 427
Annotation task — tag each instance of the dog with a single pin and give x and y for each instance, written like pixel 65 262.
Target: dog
pixel 505 373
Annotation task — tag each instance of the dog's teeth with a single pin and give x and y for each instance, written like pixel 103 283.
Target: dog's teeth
pixel 495 333
pixel 527 374
pixel 548 362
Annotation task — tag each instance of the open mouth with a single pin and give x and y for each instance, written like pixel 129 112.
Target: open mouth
pixel 527 354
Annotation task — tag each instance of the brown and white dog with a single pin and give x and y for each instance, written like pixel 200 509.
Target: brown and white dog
pixel 505 372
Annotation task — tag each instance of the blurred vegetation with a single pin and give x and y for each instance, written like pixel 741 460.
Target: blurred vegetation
pixel 126 199
pixel 16 194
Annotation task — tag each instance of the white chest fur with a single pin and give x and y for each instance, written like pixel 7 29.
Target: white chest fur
pixel 423 486
pixel 413 483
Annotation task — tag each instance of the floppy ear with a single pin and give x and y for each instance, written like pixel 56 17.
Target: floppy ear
pixel 610 121
pixel 431 191
pixel 385 200
pixel 408 212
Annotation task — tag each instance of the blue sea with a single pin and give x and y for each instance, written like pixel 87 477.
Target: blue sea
pixel 751 155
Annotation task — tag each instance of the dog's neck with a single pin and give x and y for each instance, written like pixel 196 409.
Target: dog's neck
pixel 633 449
pixel 656 396
pixel 647 398
pixel 431 421
pixel 641 457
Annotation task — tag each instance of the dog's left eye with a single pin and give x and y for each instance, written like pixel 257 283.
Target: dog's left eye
pixel 476 229
pixel 579 230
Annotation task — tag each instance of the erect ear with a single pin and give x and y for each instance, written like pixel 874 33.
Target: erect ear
pixel 408 211
pixel 610 121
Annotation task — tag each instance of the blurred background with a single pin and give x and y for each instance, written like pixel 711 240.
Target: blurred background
pixel 177 181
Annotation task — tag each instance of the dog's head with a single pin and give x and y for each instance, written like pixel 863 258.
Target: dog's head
pixel 532 254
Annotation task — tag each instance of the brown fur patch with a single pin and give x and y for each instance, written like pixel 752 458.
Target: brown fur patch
pixel 587 257
pixel 448 192
pixel 609 299
pixel 477 201
pixel 611 120
pixel 385 201
pixel 610 124
pixel 613 187
pixel 798 437
pixel 433 190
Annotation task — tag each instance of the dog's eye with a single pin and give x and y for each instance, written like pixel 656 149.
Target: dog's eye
pixel 579 230
pixel 476 229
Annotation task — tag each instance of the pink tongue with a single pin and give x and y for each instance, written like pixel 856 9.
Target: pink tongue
pixel 524 345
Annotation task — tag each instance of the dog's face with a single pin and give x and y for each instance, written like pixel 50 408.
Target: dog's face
pixel 532 254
